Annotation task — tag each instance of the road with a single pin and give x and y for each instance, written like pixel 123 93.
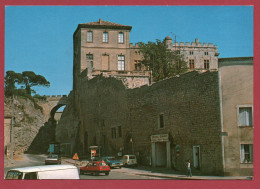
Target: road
pixel 120 174
pixel 24 161
pixel 34 160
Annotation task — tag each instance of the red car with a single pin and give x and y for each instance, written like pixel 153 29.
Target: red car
pixel 95 167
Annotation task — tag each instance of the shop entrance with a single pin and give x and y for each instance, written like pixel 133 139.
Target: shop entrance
pixel 160 153
pixel 196 156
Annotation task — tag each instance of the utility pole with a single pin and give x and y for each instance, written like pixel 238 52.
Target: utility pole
pixel 12 129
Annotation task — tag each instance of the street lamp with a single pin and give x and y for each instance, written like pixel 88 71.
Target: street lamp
pixel 12 129
pixel 131 140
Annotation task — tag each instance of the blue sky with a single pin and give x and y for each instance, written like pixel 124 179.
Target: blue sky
pixel 40 38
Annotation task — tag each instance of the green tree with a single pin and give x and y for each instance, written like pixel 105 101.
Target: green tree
pixel 30 79
pixel 163 62
pixel 11 79
pixel 25 81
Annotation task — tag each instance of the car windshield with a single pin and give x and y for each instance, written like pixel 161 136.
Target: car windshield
pixel 131 157
pixel 14 175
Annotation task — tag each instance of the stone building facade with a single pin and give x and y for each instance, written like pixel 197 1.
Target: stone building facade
pixel 164 124
pixel 103 48
pixel 198 56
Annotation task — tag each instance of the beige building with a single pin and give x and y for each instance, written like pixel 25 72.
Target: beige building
pixel 236 94
pixel 103 47
pixel 198 56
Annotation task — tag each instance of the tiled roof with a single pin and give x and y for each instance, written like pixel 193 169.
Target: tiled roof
pixel 104 24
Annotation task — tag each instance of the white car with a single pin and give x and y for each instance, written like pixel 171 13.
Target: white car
pixel 44 172
pixel 129 160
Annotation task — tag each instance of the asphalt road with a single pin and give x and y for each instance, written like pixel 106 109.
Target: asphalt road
pixel 119 174
pixel 24 160
pixel 34 160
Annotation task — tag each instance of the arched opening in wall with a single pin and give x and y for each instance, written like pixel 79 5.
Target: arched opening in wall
pixel 57 111
pixel 86 150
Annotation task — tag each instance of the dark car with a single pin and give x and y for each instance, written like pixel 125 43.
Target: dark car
pixel 112 162
pixel 95 168
pixel 52 159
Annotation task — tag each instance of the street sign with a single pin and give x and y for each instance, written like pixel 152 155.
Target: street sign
pixel 160 138
pixel 75 157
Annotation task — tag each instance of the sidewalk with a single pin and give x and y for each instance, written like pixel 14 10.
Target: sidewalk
pixel 162 172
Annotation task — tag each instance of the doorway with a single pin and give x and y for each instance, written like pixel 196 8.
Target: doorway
pixel 160 153
pixel 196 156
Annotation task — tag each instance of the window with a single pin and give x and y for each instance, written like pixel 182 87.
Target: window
pixel 105 37
pixel 14 175
pixel 206 53
pixel 90 36
pixel 161 121
pixel 191 52
pixel 113 132
pixel 30 176
pixel 246 153
pixel 191 64
pixel 120 37
pixel 119 131
pixel 206 64
pixel 89 58
pixel 245 116
pixel 121 62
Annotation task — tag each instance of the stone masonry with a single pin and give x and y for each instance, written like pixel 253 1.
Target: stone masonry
pixel 123 120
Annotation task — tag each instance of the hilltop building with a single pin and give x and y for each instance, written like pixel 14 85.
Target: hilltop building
pixel 103 47
pixel 204 115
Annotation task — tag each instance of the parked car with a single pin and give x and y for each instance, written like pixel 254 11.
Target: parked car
pixel 129 160
pixel 95 168
pixel 44 172
pixel 112 162
pixel 52 159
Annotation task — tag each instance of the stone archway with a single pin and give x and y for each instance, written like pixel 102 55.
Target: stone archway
pixel 62 102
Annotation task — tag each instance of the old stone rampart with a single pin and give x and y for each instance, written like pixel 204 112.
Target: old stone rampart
pixel 189 104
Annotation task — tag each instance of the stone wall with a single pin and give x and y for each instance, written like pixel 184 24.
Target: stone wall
pixel 189 105
pixel 28 121
pixel 67 127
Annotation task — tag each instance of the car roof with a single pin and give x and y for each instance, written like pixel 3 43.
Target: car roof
pixel 43 168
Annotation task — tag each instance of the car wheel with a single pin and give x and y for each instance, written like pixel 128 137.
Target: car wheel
pixel 107 173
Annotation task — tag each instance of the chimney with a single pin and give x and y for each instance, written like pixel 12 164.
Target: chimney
pixel 100 21
pixel 196 40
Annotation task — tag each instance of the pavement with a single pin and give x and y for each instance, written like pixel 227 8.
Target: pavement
pixel 162 172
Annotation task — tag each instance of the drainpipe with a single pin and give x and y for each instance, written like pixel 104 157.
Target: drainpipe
pixel 221 120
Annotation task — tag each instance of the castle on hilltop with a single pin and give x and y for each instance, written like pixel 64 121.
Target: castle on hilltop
pixel 103 47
